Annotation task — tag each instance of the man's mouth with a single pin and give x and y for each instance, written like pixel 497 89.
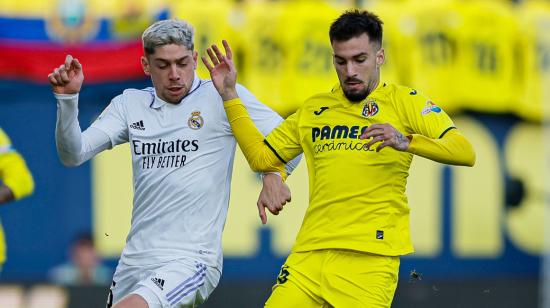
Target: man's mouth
pixel 353 84
pixel 175 89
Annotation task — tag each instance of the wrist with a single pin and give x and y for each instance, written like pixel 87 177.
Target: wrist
pixel 229 94
pixel 264 174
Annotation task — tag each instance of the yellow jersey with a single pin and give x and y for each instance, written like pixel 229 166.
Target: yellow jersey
pixel 357 196
pixel 396 67
pixel 487 74
pixel 308 51
pixel 430 31
pixel 263 55
pixel 535 46
pixel 213 21
pixel 15 175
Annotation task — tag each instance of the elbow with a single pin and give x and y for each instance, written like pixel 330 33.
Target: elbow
pixel 28 187
pixel 22 186
pixel 70 163
pixel 469 156
pixel 67 159
pixel 467 153
pixel 471 160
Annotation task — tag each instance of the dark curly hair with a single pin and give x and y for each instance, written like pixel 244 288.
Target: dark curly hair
pixel 353 23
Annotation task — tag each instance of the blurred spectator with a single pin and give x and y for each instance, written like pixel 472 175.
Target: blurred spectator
pixel 84 267
pixel 16 181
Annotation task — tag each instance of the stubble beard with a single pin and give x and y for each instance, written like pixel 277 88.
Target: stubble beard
pixel 358 96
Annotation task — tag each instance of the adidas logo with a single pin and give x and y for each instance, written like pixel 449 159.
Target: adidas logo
pixel 159 282
pixel 138 125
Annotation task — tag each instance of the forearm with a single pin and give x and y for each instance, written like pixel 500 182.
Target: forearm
pixel 73 146
pixel 452 149
pixel 251 140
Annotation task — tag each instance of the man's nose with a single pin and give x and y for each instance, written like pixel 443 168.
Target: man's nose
pixel 173 74
pixel 350 69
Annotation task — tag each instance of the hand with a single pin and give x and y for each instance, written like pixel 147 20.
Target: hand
pixel 388 135
pixel 274 195
pixel 68 77
pixel 222 71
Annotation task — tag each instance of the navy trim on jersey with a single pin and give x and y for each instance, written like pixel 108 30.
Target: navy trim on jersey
pixel 201 82
pixel 275 152
pixel 447 130
pixel 152 92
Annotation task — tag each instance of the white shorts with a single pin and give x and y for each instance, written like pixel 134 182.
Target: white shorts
pixel 179 283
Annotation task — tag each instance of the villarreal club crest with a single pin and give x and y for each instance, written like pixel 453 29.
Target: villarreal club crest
pixel 370 109
pixel 195 121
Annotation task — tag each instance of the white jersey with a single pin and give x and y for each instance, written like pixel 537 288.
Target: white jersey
pixel 182 159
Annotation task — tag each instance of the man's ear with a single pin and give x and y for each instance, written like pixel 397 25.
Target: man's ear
pixel 195 57
pixel 380 57
pixel 145 65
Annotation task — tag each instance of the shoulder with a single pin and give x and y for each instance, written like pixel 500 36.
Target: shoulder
pixel 323 99
pixel 404 94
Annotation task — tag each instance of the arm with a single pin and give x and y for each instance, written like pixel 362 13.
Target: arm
pixel 452 148
pixel 73 146
pixel 265 119
pixel 430 132
pixel 16 179
pixel 250 139
pixel 274 193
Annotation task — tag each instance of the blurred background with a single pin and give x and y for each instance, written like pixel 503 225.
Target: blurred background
pixel 479 232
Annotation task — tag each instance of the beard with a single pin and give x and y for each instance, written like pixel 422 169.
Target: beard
pixel 356 96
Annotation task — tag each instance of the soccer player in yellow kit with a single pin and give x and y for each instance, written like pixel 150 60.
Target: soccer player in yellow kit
pixel 16 181
pixel 359 140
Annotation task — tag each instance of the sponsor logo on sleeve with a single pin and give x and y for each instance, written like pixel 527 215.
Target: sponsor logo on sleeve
pixel 430 107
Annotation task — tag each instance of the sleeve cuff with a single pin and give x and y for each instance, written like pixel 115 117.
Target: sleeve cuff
pixel 65 96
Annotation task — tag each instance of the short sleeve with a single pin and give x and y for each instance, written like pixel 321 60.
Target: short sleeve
pixel 284 140
pixel 421 115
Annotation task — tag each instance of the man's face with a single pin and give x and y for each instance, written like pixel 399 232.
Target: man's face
pixel 357 62
pixel 172 69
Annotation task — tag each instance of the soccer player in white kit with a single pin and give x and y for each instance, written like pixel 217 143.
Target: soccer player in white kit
pixel 182 153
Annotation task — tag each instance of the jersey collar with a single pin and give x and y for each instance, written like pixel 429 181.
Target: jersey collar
pixel 347 103
pixel 158 102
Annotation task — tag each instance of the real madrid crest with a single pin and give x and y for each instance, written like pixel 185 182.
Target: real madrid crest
pixel 370 109
pixel 195 121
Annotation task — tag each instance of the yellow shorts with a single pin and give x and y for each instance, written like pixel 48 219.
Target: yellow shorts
pixel 335 278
